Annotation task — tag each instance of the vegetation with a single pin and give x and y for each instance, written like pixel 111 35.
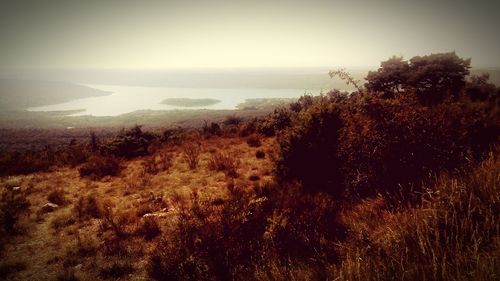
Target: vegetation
pixel 98 167
pixel 395 181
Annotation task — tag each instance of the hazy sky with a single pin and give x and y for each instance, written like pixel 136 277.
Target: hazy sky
pixel 256 33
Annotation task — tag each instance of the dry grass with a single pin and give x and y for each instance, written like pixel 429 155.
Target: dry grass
pixel 101 232
pixel 192 154
pixel 225 162
pixel 452 234
pixel 99 229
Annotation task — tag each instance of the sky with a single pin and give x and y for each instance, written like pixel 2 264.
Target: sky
pixel 167 34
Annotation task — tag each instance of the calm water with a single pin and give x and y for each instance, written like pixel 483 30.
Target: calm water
pixel 125 99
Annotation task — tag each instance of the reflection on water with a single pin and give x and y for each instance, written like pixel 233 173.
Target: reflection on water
pixel 125 99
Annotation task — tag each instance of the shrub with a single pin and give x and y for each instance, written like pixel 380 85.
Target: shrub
pixel 224 162
pixel 30 161
pixel 362 144
pixel 191 155
pixel 213 129
pixel 449 234
pixel 89 207
pixel 308 150
pixel 480 89
pixel 279 119
pixel 254 177
pixel 67 275
pixel 398 142
pixel 249 127
pixel 129 144
pixel 233 121
pixel 149 228
pixel 7 268
pixel 62 220
pixel 100 166
pixel 13 204
pixel 157 163
pixel 173 136
pixel 235 236
pixel 260 154
pixel 57 197
pixel 116 270
pixel 254 141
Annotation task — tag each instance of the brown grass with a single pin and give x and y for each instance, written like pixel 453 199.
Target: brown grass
pixel 212 226
pixel 191 155
pixel 225 162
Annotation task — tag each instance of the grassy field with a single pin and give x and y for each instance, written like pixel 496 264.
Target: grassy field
pixel 110 228
pixel 51 243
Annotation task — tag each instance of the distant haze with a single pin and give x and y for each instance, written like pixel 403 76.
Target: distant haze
pixel 233 34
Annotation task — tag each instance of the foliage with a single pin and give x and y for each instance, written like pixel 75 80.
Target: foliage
pixel 13 205
pixel 116 270
pixel 347 77
pixel 213 129
pixel 260 154
pixel 149 228
pixel 277 120
pixel 192 155
pixel 366 142
pixel 159 162
pixel 100 166
pixel 254 141
pixel 56 196
pixel 451 234
pixel 308 149
pixel 227 163
pixel 87 207
pixel 432 77
pixel 228 240
pixel 130 143
pixel 390 78
pixel 232 120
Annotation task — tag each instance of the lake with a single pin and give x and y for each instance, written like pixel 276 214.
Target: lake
pixel 125 99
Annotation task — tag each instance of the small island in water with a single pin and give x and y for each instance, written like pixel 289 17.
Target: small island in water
pixel 187 102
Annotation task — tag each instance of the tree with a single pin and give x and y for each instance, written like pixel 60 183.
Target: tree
pixel 346 77
pixel 431 77
pixel 390 78
pixel 437 75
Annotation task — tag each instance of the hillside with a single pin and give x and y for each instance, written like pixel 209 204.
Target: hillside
pixel 114 228
pixel 398 180
pixel 21 94
pixel 134 193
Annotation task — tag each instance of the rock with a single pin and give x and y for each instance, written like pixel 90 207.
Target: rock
pixel 157 215
pixel 78 266
pixel 49 207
